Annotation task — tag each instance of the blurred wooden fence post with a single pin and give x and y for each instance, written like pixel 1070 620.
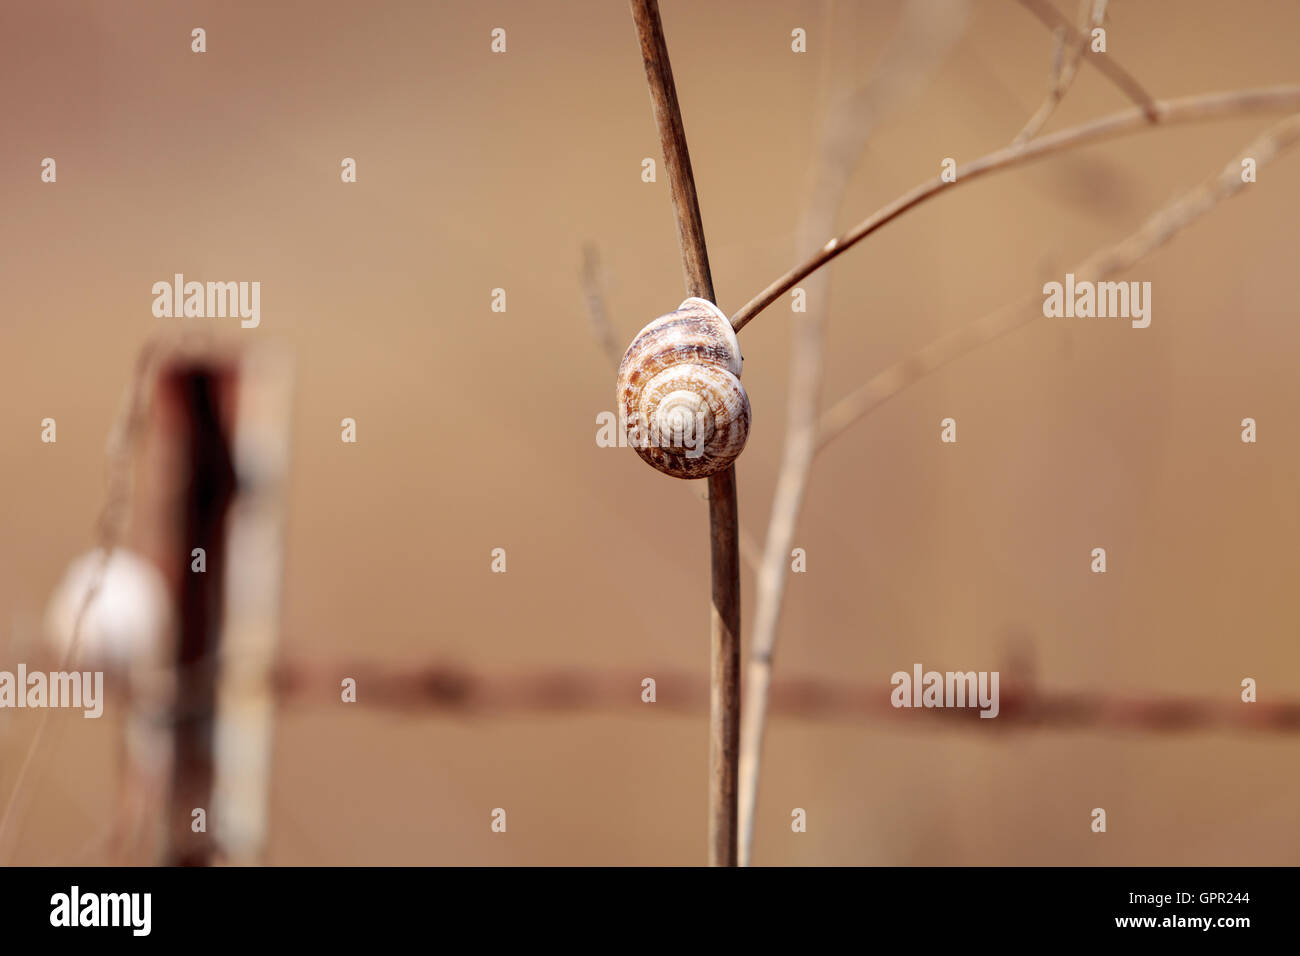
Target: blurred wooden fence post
pixel 200 397
pixel 221 421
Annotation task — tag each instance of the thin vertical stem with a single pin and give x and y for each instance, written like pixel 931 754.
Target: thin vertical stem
pixel 677 158
pixel 724 628
pixel 724 672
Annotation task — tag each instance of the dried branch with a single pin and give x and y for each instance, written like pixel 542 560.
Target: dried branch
pixel 1167 112
pixel 1076 42
pixel 1066 53
pixel 928 28
pixel 803 440
pixel 672 138
pixel 1159 228
pixel 593 290
pixel 724 629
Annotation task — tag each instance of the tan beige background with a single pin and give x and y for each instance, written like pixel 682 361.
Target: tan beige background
pixel 476 430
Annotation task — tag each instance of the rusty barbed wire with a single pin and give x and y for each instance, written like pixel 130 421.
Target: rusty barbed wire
pixel 452 688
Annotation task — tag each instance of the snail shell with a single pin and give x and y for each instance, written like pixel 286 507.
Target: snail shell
pixel 680 400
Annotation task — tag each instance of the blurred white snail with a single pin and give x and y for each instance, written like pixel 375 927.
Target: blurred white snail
pixel 127 617
pixel 680 400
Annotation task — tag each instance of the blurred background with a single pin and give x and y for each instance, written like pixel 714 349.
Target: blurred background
pixel 476 429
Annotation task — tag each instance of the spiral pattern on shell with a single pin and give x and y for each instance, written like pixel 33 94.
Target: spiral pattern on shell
pixel 681 404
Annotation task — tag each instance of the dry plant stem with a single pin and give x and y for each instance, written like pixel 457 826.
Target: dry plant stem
pixel 724 671
pixel 803 442
pixel 672 137
pixel 1077 42
pixel 925 32
pixel 109 530
pixel 724 629
pixel 1065 66
pixel 1159 228
pixel 601 327
pixel 1167 112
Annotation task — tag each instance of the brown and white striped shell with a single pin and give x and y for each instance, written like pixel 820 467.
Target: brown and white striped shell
pixel 681 404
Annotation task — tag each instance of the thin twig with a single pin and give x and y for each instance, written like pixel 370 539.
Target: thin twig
pixel 110 526
pixel 724 629
pixel 593 291
pixel 1074 40
pixel 1167 112
pixel 927 29
pixel 1066 54
pixel 672 138
pixel 802 444
pixel 1158 229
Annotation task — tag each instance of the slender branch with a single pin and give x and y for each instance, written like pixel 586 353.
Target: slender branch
pixel 1066 53
pixel 927 29
pixel 1075 40
pixel 724 671
pixel 802 444
pixel 672 137
pixel 1167 112
pixel 724 627
pixel 601 328
pixel 1159 228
